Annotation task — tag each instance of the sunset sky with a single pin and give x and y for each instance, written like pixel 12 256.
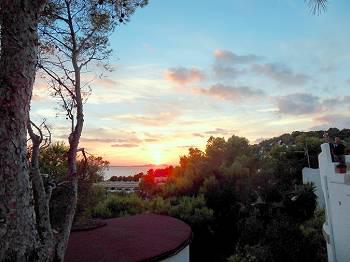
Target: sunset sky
pixel 184 71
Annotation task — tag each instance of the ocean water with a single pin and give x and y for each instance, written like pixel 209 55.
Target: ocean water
pixel 127 170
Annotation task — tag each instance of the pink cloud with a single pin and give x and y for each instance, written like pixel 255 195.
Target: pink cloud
pixel 228 57
pixel 182 75
pixel 124 145
pixel 220 131
pixel 298 104
pixel 229 92
pixel 106 82
pixel 332 120
pixel 281 74
pixel 149 47
pixel 229 65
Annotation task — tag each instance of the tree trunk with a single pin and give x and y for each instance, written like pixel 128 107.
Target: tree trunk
pixel 74 139
pixel 19 40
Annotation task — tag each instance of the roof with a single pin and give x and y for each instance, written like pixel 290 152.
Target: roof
pixel 146 237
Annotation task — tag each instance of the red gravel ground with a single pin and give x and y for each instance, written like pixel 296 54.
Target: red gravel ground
pixel 145 237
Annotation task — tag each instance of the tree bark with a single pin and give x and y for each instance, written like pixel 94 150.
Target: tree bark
pixel 19 42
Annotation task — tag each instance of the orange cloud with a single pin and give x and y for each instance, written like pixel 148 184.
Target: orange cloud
pixel 41 83
pixel 153 120
pixel 36 97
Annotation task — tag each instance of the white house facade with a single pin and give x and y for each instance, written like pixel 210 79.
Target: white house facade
pixel 336 192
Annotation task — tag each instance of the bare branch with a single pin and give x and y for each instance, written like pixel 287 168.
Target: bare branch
pixel 47 140
pixel 58 79
pixel 56 39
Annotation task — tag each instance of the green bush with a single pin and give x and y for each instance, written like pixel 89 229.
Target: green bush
pixel 100 211
pixel 192 210
pixel 118 206
pixel 314 240
pixel 301 203
pixel 159 205
pixel 257 253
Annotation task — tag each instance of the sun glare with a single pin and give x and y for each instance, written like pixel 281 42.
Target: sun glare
pixel 156 157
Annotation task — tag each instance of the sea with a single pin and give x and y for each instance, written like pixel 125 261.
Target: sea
pixel 128 170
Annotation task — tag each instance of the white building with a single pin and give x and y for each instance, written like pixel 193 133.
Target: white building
pixel 336 192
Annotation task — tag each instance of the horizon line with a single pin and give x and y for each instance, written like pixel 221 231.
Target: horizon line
pixel 145 165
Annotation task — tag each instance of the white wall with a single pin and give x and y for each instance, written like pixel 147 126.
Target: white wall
pixel 337 200
pixel 311 175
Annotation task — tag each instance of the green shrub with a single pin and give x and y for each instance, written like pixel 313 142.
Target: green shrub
pixel 159 205
pixel 192 210
pixel 257 253
pixel 100 211
pixel 118 206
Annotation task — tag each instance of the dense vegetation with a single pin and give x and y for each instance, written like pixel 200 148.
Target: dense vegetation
pixel 53 162
pixel 243 202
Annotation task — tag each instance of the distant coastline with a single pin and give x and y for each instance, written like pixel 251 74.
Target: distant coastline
pixel 129 170
pixel 137 165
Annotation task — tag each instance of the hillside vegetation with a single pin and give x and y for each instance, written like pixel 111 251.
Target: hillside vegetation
pixel 244 202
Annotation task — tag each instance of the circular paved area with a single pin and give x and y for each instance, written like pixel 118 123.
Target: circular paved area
pixel 145 237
